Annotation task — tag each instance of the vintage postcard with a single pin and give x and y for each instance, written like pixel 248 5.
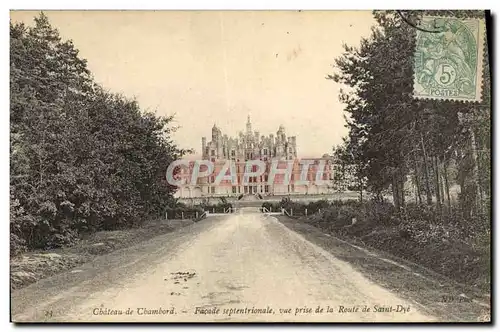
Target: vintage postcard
pixel 250 166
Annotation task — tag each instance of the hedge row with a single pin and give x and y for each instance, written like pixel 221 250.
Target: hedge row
pixel 445 242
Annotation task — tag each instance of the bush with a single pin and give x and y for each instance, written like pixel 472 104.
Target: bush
pixel 298 207
pixel 178 212
pixel 272 207
pixel 315 206
pixel 220 207
pixel 445 242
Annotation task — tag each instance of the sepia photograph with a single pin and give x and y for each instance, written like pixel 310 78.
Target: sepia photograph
pixel 250 166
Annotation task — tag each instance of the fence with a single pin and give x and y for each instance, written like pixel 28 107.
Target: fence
pixel 270 211
pixel 198 214
pixel 220 212
pixel 175 214
pixel 220 209
pixel 299 212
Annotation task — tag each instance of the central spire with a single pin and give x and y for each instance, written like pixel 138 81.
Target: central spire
pixel 249 124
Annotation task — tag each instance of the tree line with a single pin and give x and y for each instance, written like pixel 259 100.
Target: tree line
pixel 82 159
pixel 393 137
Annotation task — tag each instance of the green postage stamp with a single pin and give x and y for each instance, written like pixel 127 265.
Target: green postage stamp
pixel 449 58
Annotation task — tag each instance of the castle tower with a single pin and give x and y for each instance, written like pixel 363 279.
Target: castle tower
pixel 214 133
pixel 203 145
pixel 280 142
pixel 249 125
pixel 281 134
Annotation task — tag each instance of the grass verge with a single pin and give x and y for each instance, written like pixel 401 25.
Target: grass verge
pixel 428 290
pixel 29 267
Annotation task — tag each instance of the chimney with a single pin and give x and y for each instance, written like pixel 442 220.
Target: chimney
pixel 203 145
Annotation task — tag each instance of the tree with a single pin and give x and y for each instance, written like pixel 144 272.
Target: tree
pixel 392 134
pixel 82 159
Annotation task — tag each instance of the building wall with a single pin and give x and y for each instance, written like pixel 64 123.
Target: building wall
pixel 205 186
pixel 250 146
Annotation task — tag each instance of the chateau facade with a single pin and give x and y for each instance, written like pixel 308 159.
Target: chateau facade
pixel 249 145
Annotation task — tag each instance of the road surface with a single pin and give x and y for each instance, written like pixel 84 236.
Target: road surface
pixel 245 267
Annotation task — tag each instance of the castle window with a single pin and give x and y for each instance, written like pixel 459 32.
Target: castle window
pixel 212 153
pixel 233 153
pixel 265 151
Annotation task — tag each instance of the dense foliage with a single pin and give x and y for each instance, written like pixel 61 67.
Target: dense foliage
pixel 296 208
pixel 455 248
pixel 82 159
pixel 220 207
pixel 394 137
pixel 179 210
pixel 434 156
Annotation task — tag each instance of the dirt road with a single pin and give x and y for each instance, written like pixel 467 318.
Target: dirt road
pixel 243 267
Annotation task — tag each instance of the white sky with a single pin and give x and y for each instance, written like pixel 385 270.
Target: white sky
pixel 217 67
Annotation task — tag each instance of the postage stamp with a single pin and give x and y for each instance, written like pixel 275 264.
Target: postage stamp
pixel 448 61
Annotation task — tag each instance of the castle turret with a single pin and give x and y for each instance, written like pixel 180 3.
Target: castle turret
pixel 249 125
pixel 203 145
pixel 281 134
pixel 215 132
pixel 219 144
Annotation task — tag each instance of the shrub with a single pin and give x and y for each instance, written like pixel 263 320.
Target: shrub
pixel 315 206
pixel 272 207
pixel 222 206
pixel 188 212
pixel 443 241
